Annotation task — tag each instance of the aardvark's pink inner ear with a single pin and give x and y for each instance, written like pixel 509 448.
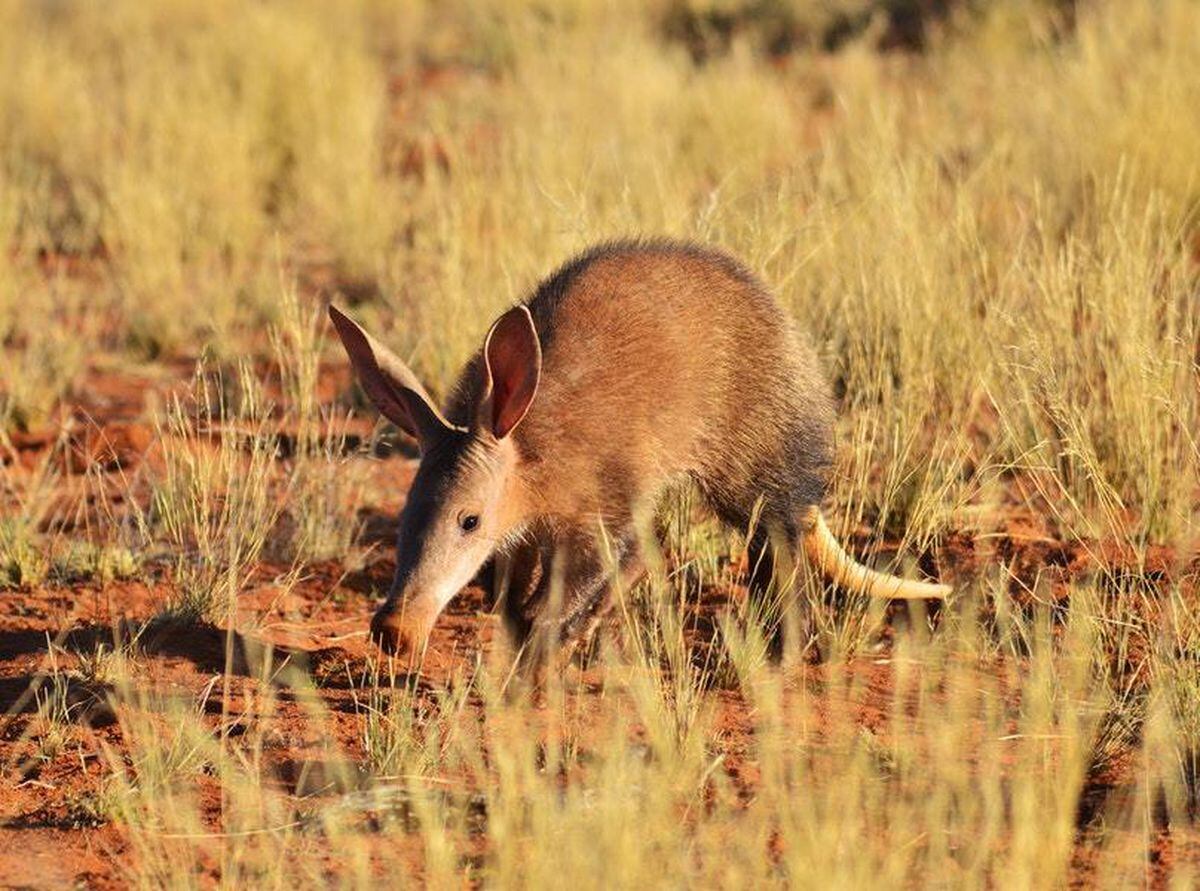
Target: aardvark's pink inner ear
pixel 513 365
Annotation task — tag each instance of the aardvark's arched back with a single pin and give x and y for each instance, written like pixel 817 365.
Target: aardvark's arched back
pixel 634 366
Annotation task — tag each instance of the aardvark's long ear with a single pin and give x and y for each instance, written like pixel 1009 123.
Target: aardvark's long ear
pixel 390 383
pixel 512 367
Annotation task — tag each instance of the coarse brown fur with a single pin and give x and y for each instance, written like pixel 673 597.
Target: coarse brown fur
pixel 659 362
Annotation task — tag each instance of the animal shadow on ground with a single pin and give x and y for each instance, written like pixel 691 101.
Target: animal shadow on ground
pixel 21 694
pixel 209 648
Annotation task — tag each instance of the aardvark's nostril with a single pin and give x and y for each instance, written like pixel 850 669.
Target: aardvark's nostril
pixel 384 630
pixel 393 635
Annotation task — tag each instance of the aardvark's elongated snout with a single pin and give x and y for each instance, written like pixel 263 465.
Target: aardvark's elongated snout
pixel 401 631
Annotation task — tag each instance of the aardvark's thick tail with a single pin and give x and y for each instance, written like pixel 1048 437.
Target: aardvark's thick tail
pixel 824 552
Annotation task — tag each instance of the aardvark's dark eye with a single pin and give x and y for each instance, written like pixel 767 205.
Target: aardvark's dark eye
pixel 468 522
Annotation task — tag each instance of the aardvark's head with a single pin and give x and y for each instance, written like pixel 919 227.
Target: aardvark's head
pixel 464 500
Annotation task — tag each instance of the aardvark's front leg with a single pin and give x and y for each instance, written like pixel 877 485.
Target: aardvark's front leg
pixel 576 589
